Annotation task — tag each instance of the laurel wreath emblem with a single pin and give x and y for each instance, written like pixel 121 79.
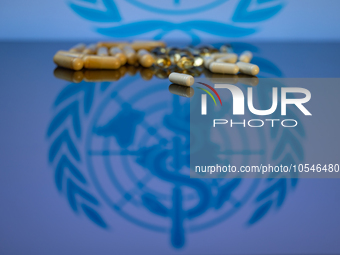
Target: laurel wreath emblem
pixel 92 10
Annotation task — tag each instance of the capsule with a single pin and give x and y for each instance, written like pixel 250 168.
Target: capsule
pixel 68 75
pixel 181 90
pixel 90 49
pixel 68 61
pixel 112 44
pixel 145 58
pixel 101 62
pixel 226 68
pixel 130 55
pixel 226 48
pixel 102 51
pixel 78 48
pixel 198 60
pixel 181 79
pixel 101 75
pixel 246 57
pixel 228 58
pixel 147 45
pixel 207 61
pixel 185 61
pixel 117 52
pixel 247 68
pixel 162 61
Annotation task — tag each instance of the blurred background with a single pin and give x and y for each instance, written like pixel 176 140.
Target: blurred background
pixel 100 166
pixel 261 20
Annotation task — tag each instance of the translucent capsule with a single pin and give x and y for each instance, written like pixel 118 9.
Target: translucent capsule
pixel 145 58
pixel 101 75
pixel 181 90
pixel 207 50
pixel 247 68
pixel 181 79
pixel 101 62
pixel 130 55
pixel 162 73
pixel 78 48
pixel 163 61
pixel 117 52
pixel 226 68
pixel 228 58
pixel 102 51
pixel 68 75
pixel 185 61
pixel 198 59
pixel 226 48
pixel 68 60
pixel 246 57
pixel 90 49
pixel 174 55
pixel 158 51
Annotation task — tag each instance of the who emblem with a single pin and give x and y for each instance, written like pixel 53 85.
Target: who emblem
pixel 130 18
pixel 125 145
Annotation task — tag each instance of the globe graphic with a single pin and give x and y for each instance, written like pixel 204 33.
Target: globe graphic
pixel 137 157
pixel 176 7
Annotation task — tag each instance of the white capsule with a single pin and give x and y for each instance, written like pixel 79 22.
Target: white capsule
pixel 228 58
pixel 207 61
pixel 181 79
pixel 248 68
pixel 227 68
pixel 246 57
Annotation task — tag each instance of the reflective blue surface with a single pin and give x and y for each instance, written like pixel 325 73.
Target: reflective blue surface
pixel 101 167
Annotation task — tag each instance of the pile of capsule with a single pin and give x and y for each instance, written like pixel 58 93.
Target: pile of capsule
pixel 155 55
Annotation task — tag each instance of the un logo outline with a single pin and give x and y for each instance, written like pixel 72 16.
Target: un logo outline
pixel 75 103
pixel 246 12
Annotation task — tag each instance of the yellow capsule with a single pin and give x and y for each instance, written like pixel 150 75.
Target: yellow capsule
pixel 146 74
pixel 68 61
pixel 246 57
pixel 181 90
pixel 101 62
pixel 248 80
pixel 228 58
pixel 147 45
pixel 181 79
pixel 163 61
pixel 247 68
pixel 226 68
pixel 101 75
pixel 198 60
pixel 117 52
pixel 78 48
pixel 102 51
pixel 68 75
pixel 112 44
pixel 90 49
pixel 185 61
pixel 145 58
pixel 130 55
